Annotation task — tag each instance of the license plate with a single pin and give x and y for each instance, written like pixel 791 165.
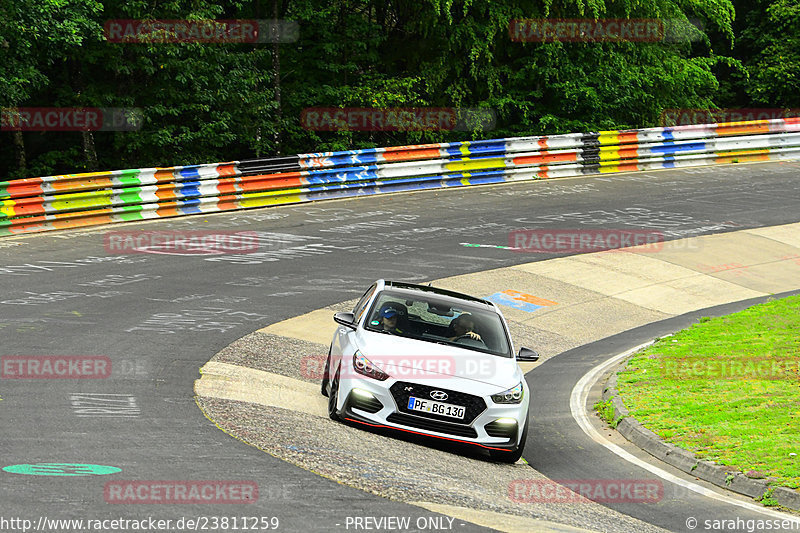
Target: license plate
pixel 436 408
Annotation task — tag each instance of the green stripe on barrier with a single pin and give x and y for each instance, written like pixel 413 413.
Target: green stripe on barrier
pixel 129 177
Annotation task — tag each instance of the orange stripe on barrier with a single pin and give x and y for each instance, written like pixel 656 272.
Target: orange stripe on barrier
pixel 24 187
pixel 227 186
pixel 227 205
pixel 83 220
pixel 76 184
pixel 408 155
pixel 267 182
pixel 28 206
pixel 32 220
pixel 628 153
pixel 164 175
pixel 743 130
pixel 227 170
pixel 628 137
pixel 411 147
pixel 165 193
pixel 169 210
pixel 545 157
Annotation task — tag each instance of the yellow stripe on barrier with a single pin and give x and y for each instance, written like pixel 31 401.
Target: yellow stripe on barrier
pixel 608 169
pixel 81 201
pixel 609 154
pixel 609 137
pixel 476 164
pixel 267 201
pixel 729 153
pixel 7 207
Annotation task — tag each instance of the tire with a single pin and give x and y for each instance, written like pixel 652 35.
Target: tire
pixel 334 398
pixel 512 456
pixel 325 373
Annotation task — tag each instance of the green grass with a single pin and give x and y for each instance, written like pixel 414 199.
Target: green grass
pixel 727 389
pixel 607 412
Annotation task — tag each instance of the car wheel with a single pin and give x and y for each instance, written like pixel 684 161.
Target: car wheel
pixel 325 374
pixel 512 456
pixel 334 398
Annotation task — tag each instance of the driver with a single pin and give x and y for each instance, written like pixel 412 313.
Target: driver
pixel 389 321
pixel 463 326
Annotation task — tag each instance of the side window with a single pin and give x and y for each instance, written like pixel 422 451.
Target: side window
pixel 358 310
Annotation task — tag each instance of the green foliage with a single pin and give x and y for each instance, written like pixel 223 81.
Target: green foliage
pixel 217 102
pixel 775 70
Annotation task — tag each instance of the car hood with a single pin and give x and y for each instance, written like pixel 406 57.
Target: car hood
pixel 415 360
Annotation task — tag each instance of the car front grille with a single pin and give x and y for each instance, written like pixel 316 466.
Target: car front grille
pixel 418 422
pixel 402 391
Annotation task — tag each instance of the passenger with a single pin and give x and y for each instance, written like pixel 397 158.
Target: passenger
pixel 463 326
pixel 389 319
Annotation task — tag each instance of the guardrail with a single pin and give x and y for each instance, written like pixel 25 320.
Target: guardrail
pixel 75 200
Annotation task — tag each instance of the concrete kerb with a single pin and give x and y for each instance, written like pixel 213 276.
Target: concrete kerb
pixel 686 461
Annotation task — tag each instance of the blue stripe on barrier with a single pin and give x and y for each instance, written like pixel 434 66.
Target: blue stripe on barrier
pixel 341 175
pixel 346 193
pixel 190 206
pixel 670 147
pixel 190 172
pixel 189 188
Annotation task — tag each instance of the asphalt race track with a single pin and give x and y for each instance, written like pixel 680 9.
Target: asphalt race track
pixel 159 317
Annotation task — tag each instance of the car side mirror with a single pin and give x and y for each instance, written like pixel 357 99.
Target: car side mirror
pixel 526 354
pixel 345 319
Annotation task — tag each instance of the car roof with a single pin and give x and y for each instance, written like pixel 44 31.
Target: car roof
pixel 461 297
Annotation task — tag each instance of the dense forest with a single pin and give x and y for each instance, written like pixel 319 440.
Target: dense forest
pixel 199 102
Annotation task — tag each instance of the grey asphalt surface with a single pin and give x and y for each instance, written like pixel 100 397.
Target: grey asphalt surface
pixel 160 317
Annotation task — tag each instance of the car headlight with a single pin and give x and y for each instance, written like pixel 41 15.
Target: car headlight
pixel 512 395
pixel 366 367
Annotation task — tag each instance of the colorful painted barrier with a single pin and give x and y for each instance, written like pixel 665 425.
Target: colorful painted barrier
pixel 75 200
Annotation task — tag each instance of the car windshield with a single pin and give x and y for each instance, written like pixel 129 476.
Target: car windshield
pixel 429 318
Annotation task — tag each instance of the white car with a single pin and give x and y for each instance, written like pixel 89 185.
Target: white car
pixel 433 362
